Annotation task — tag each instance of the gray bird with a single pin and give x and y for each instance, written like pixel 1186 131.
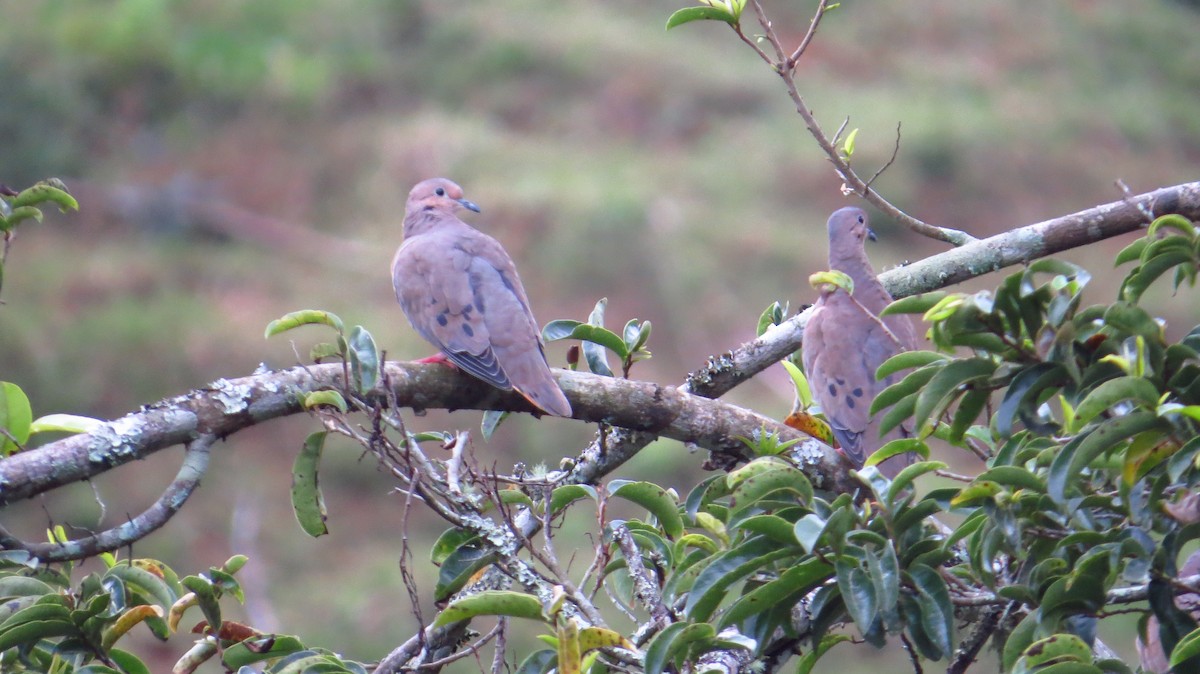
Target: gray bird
pixel 845 342
pixel 460 291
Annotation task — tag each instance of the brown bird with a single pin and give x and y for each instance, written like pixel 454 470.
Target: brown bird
pixel 460 290
pixel 845 342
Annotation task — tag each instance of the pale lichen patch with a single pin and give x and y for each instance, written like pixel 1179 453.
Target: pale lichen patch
pixel 233 397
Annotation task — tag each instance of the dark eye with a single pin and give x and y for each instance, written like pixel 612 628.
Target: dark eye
pixel 861 221
pixel 440 192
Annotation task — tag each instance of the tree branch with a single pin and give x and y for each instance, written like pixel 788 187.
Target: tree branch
pixel 227 406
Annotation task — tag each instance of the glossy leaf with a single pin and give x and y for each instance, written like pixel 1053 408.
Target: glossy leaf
pixel 727 569
pixel 492 602
pixel 16 417
pixel 308 503
pixel 1113 391
pixel 364 358
pixel 304 317
pixel 653 498
pixel 706 13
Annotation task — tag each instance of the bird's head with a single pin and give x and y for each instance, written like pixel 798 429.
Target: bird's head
pixel 849 223
pixel 438 194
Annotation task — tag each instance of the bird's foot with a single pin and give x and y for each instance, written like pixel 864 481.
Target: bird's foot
pixel 438 358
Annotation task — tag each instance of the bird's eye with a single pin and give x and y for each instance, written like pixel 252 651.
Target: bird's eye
pixel 440 192
pixel 860 218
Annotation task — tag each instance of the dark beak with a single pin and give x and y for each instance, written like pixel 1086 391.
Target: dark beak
pixel 470 206
pixel 870 233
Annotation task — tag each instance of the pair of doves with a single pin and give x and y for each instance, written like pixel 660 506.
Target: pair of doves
pixel 460 290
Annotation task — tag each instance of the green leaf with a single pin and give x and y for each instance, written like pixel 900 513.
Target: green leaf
pixel 1057 648
pixel 52 190
pixel 64 423
pixel 772 315
pixel 653 498
pixel 19 215
pixel 1187 648
pixel 565 495
pixel 728 568
pixel 803 390
pixel 911 384
pixel 1174 221
pixel 326 398
pixel 848 145
pixel 1131 252
pixel 661 646
pixel 778 475
pixel 458 568
pixel 364 359
pixel 946 385
pixel 908 474
pixel 858 592
pixel 260 649
pixel 1014 477
pixel 937 613
pixel 906 360
pixel 491 421
pixel 771 526
pixel 149 586
pixel 972 403
pixel 1113 391
pixel 304 317
pixel 809 659
pixel 16 417
pixel 1080 452
pixel 689 14
pixel 675 644
pixel 492 602
pixel 206 598
pixel 450 540
pixel 307 501
pixel 1025 386
pixel 915 304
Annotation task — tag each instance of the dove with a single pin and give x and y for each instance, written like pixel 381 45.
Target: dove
pixel 845 341
pixel 848 233
pixel 460 291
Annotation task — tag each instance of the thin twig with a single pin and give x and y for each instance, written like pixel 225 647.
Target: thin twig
pixel 895 153
pixel 822 7
pixel 853 181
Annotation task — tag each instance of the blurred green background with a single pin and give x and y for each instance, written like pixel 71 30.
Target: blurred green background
pixel 237 160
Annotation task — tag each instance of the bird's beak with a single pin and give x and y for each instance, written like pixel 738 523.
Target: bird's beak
pixel 470 205
pixel 871 234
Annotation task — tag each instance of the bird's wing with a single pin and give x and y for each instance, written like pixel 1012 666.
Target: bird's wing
pixel 432 277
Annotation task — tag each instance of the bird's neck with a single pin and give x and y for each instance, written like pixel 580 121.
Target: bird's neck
pixel 852 262
pixel 419 222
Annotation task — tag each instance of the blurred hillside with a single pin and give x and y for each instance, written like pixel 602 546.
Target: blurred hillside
pixel 238 160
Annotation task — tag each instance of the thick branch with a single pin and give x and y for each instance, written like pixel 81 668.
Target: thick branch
pixel 228 406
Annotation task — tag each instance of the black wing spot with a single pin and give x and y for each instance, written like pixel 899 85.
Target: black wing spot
pixel 858 392
pixel 466 312
pixel 507 282
pixel 833 390
pixel 442 320
pixel 468 330
pixel 850 403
